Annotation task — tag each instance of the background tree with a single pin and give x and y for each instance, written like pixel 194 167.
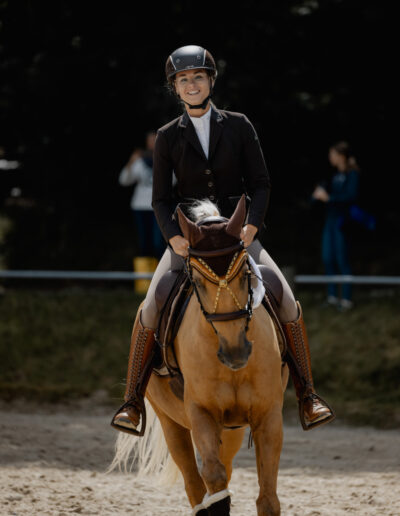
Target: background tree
pixel 81 83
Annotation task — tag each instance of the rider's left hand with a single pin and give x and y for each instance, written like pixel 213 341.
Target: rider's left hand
pixel 248 233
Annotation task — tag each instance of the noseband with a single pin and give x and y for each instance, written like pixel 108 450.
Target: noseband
pixel 195 261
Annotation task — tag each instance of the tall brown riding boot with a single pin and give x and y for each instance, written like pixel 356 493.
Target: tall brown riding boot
pixel 140 362
pixel 313 410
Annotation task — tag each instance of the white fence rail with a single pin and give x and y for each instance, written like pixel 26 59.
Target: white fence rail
pixel 76 275
pixel 130 276
pixel 358 280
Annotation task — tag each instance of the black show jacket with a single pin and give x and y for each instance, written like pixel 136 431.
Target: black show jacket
pixel 235 165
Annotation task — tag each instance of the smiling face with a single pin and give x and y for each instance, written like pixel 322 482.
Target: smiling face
pixel 193 86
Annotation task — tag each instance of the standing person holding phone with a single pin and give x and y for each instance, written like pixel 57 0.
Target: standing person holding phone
pixel 338 197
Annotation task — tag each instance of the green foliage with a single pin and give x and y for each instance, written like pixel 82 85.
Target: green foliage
pixel 62 344
pixel 78 95
pixel 356 359
pixel 67 343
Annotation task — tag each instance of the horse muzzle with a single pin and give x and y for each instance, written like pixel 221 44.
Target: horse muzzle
pixel 234 357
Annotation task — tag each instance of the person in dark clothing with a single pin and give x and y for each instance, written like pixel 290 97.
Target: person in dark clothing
pixel 338 196
pixel 214 154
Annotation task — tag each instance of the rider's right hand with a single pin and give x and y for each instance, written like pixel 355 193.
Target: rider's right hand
pixel 180 245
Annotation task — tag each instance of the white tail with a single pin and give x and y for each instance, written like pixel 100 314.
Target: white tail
pixel 147 455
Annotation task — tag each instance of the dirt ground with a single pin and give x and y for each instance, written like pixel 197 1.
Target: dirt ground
pixel 53 461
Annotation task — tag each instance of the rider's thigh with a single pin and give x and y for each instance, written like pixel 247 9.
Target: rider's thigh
pixel 169 261
pixel 288 310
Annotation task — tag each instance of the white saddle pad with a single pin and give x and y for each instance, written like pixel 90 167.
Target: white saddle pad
pixel 257 284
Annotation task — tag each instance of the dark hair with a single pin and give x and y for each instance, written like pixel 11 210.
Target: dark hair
pixel 343 148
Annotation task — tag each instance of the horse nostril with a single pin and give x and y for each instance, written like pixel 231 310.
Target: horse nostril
pixel 220 356
pixel 248 346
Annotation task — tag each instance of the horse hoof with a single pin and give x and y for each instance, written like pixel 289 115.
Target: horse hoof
pixel 199 510
pixel 221 508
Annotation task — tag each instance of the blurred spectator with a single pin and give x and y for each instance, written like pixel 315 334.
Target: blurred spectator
pixel 6 164
pixel 139 172
pixel 339 195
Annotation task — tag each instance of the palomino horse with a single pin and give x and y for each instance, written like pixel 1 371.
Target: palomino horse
pixel 233 375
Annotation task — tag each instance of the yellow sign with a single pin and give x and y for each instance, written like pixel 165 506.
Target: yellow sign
pixel 143 264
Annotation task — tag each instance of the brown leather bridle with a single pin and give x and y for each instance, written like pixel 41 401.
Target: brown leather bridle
pixel 195 261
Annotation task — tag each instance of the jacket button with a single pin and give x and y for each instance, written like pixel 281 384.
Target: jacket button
pixel 207 171
pixel 211 197
pixel 210 184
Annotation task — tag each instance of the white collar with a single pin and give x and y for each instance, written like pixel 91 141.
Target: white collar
pixel 201 119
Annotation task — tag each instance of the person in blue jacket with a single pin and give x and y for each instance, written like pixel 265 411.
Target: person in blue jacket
pixel 339 195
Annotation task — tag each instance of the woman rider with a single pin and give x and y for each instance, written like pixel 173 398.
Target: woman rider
pixel 216 154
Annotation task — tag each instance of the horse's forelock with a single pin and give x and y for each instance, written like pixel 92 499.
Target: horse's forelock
pixel 212 235
pixel 202 209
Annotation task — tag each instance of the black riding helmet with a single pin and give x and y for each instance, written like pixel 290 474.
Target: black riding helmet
pixel 187 58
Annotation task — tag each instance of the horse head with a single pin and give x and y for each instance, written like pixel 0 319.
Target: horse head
pixel 219 272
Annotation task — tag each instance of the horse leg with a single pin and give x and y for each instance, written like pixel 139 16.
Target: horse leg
pixel 179 442
pixel 207 438
pixel 231 444
pixel 268 438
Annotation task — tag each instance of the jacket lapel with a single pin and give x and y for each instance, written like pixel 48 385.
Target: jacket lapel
pixel 215 130
pixel 190 134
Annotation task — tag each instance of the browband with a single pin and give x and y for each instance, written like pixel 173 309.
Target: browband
pixel 232 272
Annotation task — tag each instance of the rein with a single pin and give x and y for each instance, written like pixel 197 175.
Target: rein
pixel 195 260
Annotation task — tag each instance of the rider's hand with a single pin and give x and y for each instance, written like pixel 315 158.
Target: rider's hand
pixel 247 234
pixel 180 245
pixel 136 154
pixel 321 194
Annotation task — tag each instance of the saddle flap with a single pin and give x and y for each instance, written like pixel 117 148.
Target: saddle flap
pixel 164 288
pixel 272 301
pixel 273 284
pixel 171 292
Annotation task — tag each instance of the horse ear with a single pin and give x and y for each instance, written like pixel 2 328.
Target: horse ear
pixel 189 229
pixel 235 223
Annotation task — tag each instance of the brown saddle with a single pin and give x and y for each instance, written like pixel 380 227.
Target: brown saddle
pixel 272 301
pixel 172 296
